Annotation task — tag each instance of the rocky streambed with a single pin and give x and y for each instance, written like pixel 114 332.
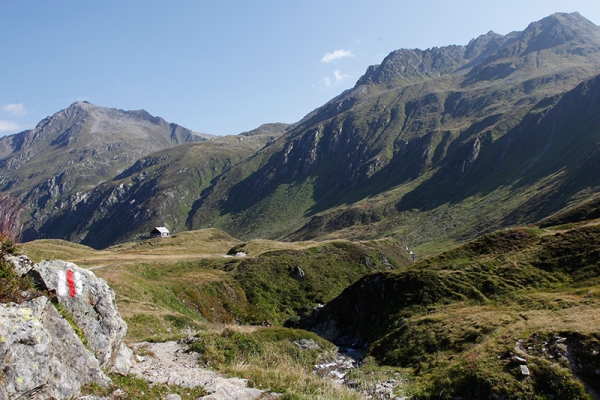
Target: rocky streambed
pixel 348 359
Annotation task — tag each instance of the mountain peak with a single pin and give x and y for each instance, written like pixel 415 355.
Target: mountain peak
pixel 414 64
pixel 84 105
pixel 559 29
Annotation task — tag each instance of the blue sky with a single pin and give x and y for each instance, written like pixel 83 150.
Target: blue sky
pixel 224 67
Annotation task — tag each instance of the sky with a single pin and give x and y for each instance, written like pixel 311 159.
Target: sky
pixel 220 66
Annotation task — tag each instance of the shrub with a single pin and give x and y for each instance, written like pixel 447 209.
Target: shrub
pixel 224 348
pixel 12 287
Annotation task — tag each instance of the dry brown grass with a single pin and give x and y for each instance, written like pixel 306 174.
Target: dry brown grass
pixel 258 246
pixel 184 246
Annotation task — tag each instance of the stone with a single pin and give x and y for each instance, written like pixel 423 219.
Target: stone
pixel 306 344
pixel 519 360
pixel 41 357
pixel 172 396
pixel 92 306
pixel 298 274
pixel 234 392
pixel 123 361
pixel 21 264
pixel 524 370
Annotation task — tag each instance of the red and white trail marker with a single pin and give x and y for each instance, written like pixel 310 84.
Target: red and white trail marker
pixel 69 283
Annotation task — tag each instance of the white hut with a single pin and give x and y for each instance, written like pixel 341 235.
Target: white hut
pixel 160 231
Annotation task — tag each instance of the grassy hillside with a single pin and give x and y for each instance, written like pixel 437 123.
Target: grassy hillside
pixel 431 153
pixel 455 321
pixel 168 286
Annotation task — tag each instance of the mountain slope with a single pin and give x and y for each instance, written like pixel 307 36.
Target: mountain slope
pixel 361 165
pixel 70 153
pixel 156 190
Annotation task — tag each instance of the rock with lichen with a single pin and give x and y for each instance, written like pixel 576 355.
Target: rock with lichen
pixel 41 356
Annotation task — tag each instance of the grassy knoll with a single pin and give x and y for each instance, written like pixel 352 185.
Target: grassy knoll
pixel 285 284
pixel 203 243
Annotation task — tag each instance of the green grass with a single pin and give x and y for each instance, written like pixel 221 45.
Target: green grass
pixel 276 296
pixel 132 387
pixel 270 360
pixel 172 286
pixel 450 320
pixel 440 327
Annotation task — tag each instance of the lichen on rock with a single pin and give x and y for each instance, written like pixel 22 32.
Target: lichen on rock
pixel 40 354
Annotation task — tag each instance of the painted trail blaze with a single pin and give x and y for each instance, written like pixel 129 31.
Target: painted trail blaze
pixel 71 283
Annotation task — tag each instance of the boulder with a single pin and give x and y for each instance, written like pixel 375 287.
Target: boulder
pixel 298 274
pixel 92 306
pixel 41 357
pixel 306 344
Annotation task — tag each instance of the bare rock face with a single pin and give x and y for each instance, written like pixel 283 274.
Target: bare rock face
pixel 40 354
pixel 91 303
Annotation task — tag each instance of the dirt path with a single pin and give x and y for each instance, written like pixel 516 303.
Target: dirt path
pixel 169 363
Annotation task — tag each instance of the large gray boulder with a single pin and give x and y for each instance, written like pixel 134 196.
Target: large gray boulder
pixel 92 306
pixel 41 357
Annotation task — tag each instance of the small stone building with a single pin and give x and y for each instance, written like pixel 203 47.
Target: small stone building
pixel 160 231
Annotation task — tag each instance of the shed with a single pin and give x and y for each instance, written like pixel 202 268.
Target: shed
pixel 160 231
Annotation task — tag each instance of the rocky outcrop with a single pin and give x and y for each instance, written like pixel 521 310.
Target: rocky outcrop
pixel 40 354
pixel 91 304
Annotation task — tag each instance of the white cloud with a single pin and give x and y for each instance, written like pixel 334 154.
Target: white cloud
pixel 8 126
pixel 336 55
pixel 16 109
pixel 338 77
